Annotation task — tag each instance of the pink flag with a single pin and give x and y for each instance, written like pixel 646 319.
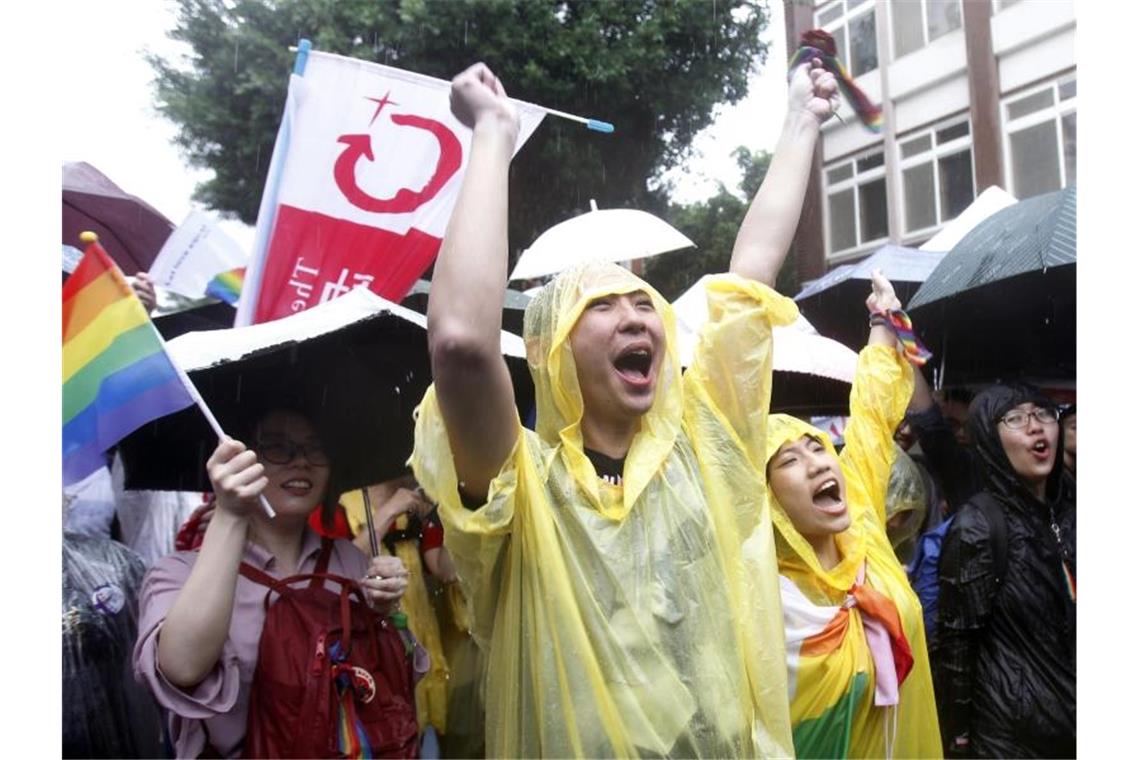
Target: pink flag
pixel 364 176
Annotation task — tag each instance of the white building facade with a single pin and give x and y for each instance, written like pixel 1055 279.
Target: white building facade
pixel 974 93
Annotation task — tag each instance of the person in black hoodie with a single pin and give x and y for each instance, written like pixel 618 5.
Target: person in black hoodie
pixel 1006 672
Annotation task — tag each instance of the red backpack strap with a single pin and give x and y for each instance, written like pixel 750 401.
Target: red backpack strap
pixel 262 578
pixel 257 576
pixel 322 560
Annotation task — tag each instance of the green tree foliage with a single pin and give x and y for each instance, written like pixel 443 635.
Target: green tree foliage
pixel 654 68
pixel 712 224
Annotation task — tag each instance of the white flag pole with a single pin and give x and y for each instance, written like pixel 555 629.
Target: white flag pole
pixel 595 124
pixel 210 418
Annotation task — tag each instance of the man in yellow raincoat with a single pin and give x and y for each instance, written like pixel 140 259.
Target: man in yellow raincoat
pixel 858 674
pixel 603 555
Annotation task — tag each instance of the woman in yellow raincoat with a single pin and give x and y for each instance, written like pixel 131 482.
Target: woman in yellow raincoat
pixel 603 555
pixel 858 674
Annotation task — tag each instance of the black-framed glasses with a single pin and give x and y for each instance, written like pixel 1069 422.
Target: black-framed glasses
pixel 283 452
pixel 1019 418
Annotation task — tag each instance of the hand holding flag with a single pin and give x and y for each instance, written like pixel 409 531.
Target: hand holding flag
pixel 117 375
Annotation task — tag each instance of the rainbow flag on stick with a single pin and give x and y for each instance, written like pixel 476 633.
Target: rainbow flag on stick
pixel 116 374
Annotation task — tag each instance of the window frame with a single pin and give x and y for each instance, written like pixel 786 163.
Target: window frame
pixel 853 182
pixel 1055 112
pixel 925 27
pixel 844 21
pixel 932 155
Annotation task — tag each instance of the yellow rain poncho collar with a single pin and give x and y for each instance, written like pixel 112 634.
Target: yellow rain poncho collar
pixel 550 318
pixel 795 555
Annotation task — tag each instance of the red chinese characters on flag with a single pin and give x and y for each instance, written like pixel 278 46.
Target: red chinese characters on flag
pixel 364 176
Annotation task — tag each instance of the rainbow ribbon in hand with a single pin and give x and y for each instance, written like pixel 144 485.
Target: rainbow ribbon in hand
pixel 899 323
pixel 816 43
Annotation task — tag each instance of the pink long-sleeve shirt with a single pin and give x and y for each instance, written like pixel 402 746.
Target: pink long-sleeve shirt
pixel 216 709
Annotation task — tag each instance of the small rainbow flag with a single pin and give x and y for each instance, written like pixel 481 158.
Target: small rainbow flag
pixel 116 373
pixel 816 43
pixel 227 286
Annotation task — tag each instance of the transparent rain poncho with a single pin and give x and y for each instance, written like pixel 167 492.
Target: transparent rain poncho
pixel 906 505
pixel 640 619
pixel 105 712
pixel 831 670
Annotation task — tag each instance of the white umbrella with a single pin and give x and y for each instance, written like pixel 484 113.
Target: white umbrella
pixel 796 347
pixel 993 199
pixel 614 234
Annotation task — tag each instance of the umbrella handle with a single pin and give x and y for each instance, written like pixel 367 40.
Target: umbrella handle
pixel 371 524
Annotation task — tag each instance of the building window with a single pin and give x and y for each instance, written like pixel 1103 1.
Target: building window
pixel 856 202
pixel 937 167
pixel 917 23
pixel 1040 127
pixel 852 24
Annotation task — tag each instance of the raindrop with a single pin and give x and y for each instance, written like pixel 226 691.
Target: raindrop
pixel 464 33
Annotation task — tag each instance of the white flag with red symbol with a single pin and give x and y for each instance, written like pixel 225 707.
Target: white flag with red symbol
pixel 364 176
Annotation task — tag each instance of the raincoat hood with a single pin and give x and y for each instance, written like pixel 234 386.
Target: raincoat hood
pixel 907 499
pixel 794 553
pixel 986 410
pixel 549 320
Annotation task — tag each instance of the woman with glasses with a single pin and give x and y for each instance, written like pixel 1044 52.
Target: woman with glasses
pixel 200 621
pixel 1006 644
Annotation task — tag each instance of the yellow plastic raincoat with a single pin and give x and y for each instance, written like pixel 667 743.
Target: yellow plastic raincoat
pixel 639 619
pixel 832 676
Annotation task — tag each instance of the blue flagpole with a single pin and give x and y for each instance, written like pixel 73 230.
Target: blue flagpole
pixel 303 48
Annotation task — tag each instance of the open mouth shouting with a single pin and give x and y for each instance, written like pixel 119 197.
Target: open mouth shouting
pixel 828 498
pixel 634 365
pixel 1041 450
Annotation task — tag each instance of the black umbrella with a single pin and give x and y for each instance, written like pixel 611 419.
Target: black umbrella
pixel 514 305
pixel 1002 304
pixel 358 380
pixel 835 303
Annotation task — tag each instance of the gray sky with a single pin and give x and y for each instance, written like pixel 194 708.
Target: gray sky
pixel 130 143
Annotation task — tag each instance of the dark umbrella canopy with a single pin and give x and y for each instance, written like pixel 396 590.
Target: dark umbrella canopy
pixel 1031 236
pixel 802 395
pixel 130 229
pixel 358 383
pixel 836 303
pixel 1003 303
pixel 514 305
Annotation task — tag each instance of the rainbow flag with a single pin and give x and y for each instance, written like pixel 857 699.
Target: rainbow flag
pixel 227 286
pixel 116 373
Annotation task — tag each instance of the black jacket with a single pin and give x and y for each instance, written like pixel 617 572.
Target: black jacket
pixel 1006 658
pixel 954 467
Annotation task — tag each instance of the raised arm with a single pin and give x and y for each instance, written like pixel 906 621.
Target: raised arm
pixel 884 382
pixel 948 460
pixel 465 306
pixel 768 227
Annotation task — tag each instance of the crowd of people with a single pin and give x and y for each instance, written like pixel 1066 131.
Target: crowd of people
pixel 657 567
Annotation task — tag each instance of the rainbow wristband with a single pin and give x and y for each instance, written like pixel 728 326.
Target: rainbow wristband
pixel 899 323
